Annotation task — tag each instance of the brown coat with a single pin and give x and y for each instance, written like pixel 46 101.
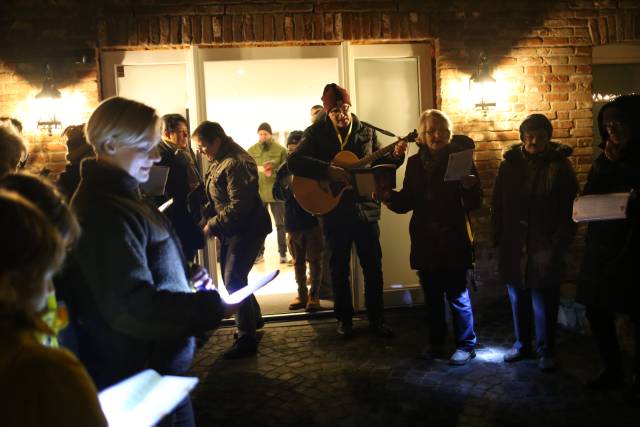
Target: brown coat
pixel 531 215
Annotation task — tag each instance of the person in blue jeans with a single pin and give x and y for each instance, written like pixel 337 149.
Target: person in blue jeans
pixel 441 247
pixel 531 215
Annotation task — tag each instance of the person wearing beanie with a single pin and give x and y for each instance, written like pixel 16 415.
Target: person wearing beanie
pixel 531 215
pixel 304 237
pixel 269 155
pixel 354 220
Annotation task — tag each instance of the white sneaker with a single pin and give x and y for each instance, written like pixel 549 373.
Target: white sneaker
pixel 461 357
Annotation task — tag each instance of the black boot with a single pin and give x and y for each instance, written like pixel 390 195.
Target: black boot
pixel 244 346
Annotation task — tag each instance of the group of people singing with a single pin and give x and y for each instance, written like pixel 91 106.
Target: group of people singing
pixel 134 302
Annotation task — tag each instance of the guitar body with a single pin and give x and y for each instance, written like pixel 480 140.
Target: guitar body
pixel 321 197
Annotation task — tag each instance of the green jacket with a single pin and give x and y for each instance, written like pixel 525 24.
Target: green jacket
pixel 264 152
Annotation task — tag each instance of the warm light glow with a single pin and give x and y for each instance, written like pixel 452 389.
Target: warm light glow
pixel 70 109
pixel 483 93
pixel 455 89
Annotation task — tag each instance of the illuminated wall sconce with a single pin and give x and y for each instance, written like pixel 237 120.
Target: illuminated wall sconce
pixel 482 87
pixel 48 103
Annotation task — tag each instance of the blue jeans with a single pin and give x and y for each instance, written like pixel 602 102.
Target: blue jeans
pixel 452 284
pixel 535 309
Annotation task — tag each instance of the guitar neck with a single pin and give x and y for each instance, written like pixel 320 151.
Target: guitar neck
pixel 373 156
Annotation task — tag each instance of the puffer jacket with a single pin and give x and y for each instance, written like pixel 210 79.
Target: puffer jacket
pixel 317 148
pixel 438 227
pixel 531 214
pixel 232 189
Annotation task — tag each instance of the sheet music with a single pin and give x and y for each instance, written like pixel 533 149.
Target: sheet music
pixel 599 207
pixel 157 181
pixel 243 293
pixel 459 165
pixel 165 205
pixel 144 399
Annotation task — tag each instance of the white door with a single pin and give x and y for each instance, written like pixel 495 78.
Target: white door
pixel 390 86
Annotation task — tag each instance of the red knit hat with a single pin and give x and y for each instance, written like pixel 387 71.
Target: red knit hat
pixel 332 94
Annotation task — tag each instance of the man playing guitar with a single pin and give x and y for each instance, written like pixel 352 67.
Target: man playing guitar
pixel 353 220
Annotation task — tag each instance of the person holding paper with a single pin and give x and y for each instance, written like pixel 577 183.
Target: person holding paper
pixel 40 386
pixel 608 281
pixel 269 155
pixel 531 216
pixel 183 178
pixel 134 304
pixel 241 223
pixel 441 249
pixel 352 221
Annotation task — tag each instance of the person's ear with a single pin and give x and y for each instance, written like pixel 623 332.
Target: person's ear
pixel 109 147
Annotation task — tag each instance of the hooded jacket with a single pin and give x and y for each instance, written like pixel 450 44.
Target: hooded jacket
pixel 531 214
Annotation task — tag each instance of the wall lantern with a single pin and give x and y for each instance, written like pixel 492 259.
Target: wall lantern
pixel 48 104
pixel 482 87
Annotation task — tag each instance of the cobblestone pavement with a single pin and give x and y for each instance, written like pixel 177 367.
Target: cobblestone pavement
pixel 307 375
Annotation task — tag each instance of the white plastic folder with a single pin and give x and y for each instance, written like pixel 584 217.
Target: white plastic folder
pixel 600 207
pixel 243 293
pixel 144 399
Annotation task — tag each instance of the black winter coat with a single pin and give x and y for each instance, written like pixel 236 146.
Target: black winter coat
pixel 531 214
pixel 295 218
pixel 179 185
pixel 127 283
pixel 608 277
pixel 438 228
pixel 317 148
pixel 232 189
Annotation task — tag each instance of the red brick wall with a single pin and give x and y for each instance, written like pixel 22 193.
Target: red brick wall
pixel 540 52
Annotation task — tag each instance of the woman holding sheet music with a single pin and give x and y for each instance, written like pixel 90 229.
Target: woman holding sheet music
pixel 441 248
pixel 130 282
pixel 608 281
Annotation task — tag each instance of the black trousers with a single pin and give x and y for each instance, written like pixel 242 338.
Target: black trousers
pixel 603 328
pixel 237 255
pixel 339 239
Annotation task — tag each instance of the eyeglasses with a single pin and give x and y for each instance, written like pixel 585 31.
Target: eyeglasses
pixel 344 109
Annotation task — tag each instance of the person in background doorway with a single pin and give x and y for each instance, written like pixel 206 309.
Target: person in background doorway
pixel 183 180
pixel 317 113
pixel 239 220
pixel 531 215
pixel 608 282
pixel 13 151
pixel 352 221
pixel 131 289
pixel 269 155
pixel 304 237
pixel 40 386
pixel 78 149
pixel 441 246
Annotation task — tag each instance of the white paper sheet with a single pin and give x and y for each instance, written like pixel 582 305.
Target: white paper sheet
pixel 165 205
pixel 243 293
pixel 600 207
pixel 459 165
pixel 144 399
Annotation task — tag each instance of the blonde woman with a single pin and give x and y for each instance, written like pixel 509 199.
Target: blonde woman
pixel 441 249
pixel 39 385
pixel 135 308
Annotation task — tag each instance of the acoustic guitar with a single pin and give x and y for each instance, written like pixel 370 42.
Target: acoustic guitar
pixel 322 196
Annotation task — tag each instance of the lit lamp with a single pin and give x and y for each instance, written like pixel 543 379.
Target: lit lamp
pixel 482 86
pixel 48 103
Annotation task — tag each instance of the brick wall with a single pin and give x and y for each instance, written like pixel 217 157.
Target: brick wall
pixel 540 53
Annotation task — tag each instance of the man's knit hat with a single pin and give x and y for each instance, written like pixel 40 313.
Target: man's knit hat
pixel 332 94
pixel 264 126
